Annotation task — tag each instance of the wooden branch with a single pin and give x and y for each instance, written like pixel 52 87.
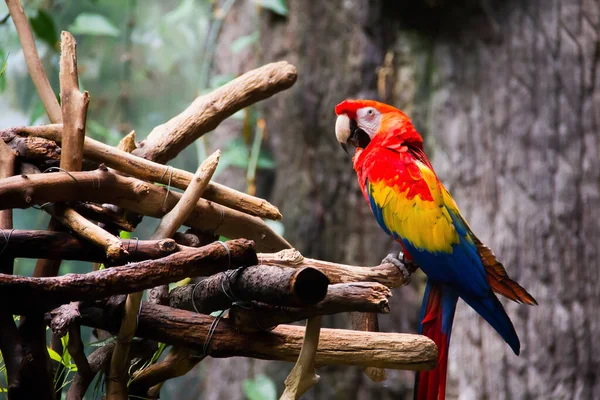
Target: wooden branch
pixel 66 246
pixel 7 169
pixel 102 214
pixel 368 322
pixel 174 219
pixel 341 297
pixel 102 186
pixel 178 362
pixel 154 172
pixel 303 376
pixel 386 274
pixel 74 106
pixel 22 295
pixel 32 59
pixel 112 245
pixel 117 382
pixel 30 147
pixel 75 348
pixel 266 284
pixel 336 347
pixel 208 111
pixel 98 361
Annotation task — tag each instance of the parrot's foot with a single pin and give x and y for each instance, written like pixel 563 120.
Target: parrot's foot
pixel 405 267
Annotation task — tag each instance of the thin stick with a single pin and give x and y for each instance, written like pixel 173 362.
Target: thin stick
pixel 117 382
pixel 32 59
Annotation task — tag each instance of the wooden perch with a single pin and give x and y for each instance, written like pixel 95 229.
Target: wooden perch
pixel 336 347
pixel 102 186
pixel 66 246
pixel 22 295
pixel 112 245
pixel 386 274
pixel 266 284
pixel 102 214
pixel 208 111
pixel 342 297
pixel 151 171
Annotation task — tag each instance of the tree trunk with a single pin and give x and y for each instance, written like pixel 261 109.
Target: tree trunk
pixel 506 96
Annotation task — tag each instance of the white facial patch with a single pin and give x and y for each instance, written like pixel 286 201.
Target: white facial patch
pixel 342 128
pixel 368 119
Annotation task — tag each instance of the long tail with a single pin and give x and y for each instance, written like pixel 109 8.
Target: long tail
pixel 437 314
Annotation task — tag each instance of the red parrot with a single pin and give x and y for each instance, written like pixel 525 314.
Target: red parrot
pixel 411 205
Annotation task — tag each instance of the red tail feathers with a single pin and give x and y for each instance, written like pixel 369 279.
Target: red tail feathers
pixel 437 313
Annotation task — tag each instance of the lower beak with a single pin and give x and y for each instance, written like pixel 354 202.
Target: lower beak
pixel 344 147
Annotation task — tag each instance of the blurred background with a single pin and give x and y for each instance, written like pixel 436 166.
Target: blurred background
pixel 506 94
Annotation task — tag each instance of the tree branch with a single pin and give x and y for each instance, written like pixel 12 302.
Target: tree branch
pixel 102 186
pixel 266 284
pixel 386 274
pixel 32 59
pixel 117 382
pixel 23 295
pixel 208 111
pixel 152 171
pixel 340 298
pixel 66 246
pixel 336 347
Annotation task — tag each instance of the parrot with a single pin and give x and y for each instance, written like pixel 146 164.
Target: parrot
pixel 411 205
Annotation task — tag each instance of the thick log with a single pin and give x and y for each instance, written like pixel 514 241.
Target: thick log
pixel 151 171
pixel 66 246
pixel 386 274
pixel 102 186
pixel 23 295
pixel 266 284
pixel 336 346
pixel 208 111
pixel 342 297
pixel 30 147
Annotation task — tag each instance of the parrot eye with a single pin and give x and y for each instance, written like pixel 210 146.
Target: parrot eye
pixel 370 112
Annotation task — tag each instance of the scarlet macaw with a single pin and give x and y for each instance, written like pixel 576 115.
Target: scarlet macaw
pixel 412 205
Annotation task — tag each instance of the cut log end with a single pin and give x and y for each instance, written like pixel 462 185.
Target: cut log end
pixel 310 285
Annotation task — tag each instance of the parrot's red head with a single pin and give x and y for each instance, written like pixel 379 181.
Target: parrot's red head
pixel 361 121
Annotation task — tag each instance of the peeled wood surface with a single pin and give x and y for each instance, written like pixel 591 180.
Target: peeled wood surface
pixel 342 297
pixel 208 111
pixel 149 170
pixel 30 147
pixel 66 246
pixel 24 294
pixel 336 346
pixel 102 186
pixel 112 245
pixel 386 274
pixel 268 284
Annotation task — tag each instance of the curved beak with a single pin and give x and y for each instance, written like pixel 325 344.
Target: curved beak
pixel 348 132
pixel 342 130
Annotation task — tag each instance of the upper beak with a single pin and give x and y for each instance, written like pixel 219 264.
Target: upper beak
pixel 348 132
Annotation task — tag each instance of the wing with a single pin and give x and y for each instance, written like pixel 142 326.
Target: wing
pixel 409 203
pixel 497 275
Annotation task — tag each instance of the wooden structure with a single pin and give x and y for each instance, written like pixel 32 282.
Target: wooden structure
pixel 86 186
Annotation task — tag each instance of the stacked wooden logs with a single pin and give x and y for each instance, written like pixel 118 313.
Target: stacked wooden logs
pixel 88 190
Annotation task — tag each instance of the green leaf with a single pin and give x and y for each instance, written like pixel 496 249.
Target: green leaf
pixel 3 60
pixel 277 6
pixel 265 161
pixel 54 355
pixel 235 154
pixel 260 388
pixel 243 42
pixel 277 226
pixel 44 28
pixel 37 112
pixel 93 24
